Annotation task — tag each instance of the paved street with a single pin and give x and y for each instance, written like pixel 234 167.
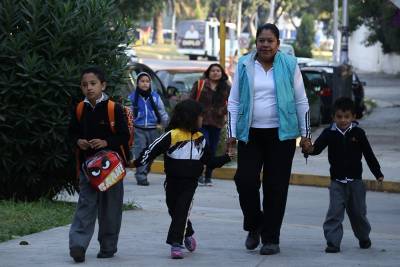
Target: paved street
pixel 217 219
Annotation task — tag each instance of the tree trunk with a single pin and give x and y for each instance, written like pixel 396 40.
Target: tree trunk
pixel 158 27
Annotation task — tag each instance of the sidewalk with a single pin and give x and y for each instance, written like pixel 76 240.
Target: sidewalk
pixel 217 220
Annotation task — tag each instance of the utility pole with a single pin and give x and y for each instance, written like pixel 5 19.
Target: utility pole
pixel 344 53
pixel 222 38
pixel 271 18
pixel 239 24
pixel 336 35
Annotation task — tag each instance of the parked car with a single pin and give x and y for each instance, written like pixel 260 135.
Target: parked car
pixel 287 48
pixel 179 81
pixel 130 53
pixel 357 89
pixel 313 90
pixel 322 78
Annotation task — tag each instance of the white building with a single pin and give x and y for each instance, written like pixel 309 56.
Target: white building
pixel 371 58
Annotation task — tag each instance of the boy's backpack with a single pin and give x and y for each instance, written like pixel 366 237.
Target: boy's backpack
pixel 200 86
pixel 111 118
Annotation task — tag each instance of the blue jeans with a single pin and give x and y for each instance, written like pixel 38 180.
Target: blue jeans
pixel 211 133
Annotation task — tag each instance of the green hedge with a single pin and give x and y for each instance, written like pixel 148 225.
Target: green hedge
pixel 44 44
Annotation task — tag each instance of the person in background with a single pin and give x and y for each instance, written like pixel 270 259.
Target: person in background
pixel 346 143
pixel 149 114
pixel 212 93
pixel 267 110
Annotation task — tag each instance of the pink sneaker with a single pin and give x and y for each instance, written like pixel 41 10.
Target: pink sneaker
pixel 190 243
pixel 176 252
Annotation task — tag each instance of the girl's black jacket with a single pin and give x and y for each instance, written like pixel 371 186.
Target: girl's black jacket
pixel 185 154
pixel 94 124
pixel 345 152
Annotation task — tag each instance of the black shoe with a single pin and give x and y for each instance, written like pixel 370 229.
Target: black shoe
pixel 202 181
pixel 332 249
pixel 365 244
pixel 104 255
pixel 143 182
pixel 208 182
pixel 270 249
pixel 77 253
pixel 252 240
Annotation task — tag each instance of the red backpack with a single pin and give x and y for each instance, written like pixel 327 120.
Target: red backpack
pixel 111 118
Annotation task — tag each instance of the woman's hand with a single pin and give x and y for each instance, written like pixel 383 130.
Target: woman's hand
pixel 305 144
pixel 231 146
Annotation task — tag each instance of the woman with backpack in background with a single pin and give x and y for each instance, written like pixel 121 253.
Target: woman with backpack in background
pixel 149 112
pixel 212 92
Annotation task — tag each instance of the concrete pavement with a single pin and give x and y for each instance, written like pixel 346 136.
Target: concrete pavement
pixel 217 220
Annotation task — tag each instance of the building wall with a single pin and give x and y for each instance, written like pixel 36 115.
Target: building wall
pixel 371 58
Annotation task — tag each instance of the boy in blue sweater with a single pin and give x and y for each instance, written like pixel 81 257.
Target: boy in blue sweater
pixel 346 143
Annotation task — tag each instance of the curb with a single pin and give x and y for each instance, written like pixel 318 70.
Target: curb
pixel 227 173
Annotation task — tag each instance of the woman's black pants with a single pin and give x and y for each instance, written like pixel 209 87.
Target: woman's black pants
pixel 264 151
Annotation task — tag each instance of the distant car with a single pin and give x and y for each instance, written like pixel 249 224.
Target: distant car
pixel 130 53
pixel 326 73
pixel 179 81
pixel 304 61
pixel 287 49
pixel 313 91
pixel 322 78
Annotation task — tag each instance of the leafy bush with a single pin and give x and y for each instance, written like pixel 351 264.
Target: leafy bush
pixel 44 44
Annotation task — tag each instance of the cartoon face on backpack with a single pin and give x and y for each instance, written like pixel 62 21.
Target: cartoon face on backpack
pixel 104 170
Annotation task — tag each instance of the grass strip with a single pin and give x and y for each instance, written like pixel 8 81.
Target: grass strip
pixel 24 218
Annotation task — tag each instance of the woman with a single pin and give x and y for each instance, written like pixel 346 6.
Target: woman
pixel 213 93
pixel 267 110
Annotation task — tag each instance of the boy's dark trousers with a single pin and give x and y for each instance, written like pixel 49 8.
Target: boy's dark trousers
pixel 107 206
pixel 179 198
pixel 264 150
pixel 349 197
pixel 212 134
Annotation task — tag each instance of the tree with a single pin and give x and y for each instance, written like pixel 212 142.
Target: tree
pixel 44 44
pixel 305 37
pixel 382 18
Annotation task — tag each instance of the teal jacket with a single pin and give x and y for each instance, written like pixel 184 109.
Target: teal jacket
pixel 284 67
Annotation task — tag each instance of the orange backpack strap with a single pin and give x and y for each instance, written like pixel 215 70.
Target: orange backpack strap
pixel 111 115
pixel 200 85
pixel 79 110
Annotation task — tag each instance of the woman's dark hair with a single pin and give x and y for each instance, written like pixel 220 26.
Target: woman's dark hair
pixel 185 115
pixel 222 85
pixel 268 26
pixel 96 71
pixel 344 104
pixel 207 72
